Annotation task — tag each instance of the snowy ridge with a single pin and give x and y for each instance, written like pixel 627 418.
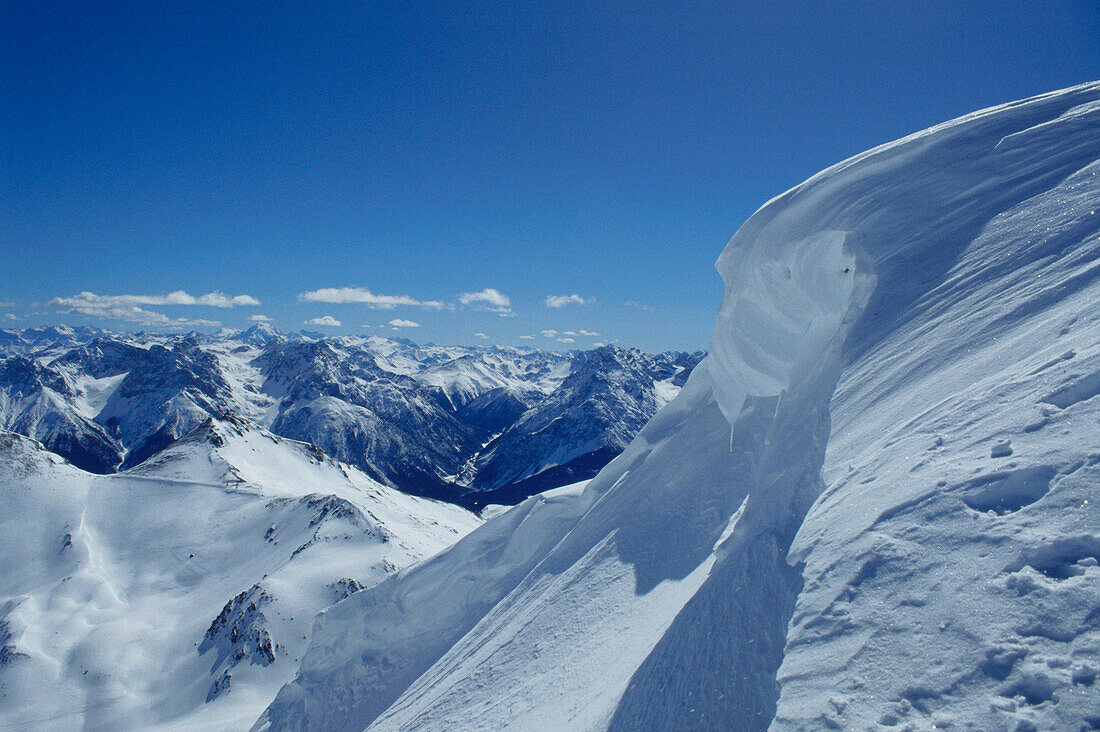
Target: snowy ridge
pixel 868 506
pixel 181 594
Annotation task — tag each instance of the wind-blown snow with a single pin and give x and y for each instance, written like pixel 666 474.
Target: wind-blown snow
pixel 870 505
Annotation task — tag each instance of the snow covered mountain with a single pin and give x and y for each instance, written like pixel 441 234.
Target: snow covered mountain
pixel 415 417
pixel 607 398
pixel 181 593
pixel 14 342
pixel 112 402
pixel 39 402
pixel 872 505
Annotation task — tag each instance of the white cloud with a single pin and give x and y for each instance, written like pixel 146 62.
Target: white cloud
pixel 560 301
pixel 481 335
pixel 399 323
pixel 599 344
pixel 633 304
pixel 218 300
pixel 527 337
pixel 549 332
pixel 151 318
pixel 92 306
pixel 259 318
pixel 566 340
pixel 363 296
pixel 179 297
pixel 488 299
pixel 588 333
pixel 323 320
pixel 569 333
pixel 6 304
pixel 11 316
pixel 127 308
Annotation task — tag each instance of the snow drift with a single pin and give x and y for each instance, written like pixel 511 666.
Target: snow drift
pixel 869 504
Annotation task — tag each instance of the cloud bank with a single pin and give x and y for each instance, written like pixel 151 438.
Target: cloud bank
pixel 127 308
pixel 91 300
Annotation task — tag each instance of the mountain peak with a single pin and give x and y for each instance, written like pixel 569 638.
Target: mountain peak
pixel 260 334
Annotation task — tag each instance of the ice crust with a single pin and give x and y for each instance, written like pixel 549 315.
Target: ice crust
pixel 817 532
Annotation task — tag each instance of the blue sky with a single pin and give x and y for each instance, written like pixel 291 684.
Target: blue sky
pixel 456 166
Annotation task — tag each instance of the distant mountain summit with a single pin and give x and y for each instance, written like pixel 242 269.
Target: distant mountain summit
pixel 259 334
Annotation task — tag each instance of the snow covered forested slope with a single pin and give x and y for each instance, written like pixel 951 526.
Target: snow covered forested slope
pixel 181 593
pixel 874 503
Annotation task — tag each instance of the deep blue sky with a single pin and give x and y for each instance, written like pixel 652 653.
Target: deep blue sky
pixel 427 150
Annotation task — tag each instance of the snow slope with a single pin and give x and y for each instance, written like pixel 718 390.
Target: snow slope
pixel 873 504
pixel 180 594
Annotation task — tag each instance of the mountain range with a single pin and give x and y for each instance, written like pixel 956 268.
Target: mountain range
pixel 468 425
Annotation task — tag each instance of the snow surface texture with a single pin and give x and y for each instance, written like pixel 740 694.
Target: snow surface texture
pixel 872 505
pixel 181 593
